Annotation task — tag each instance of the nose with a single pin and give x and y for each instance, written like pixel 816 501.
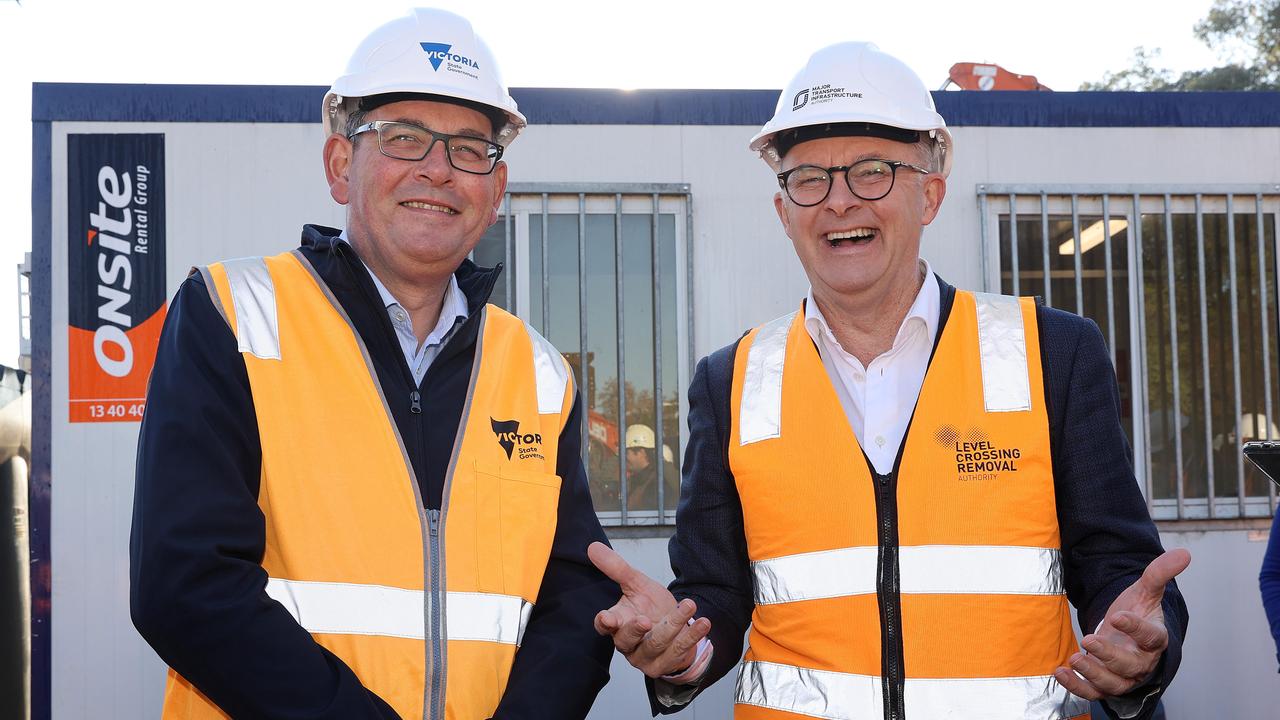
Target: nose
pixel 841 199
pixel 435 165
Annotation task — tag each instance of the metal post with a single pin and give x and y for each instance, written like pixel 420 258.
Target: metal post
pixel 657 362
pixel 546 273
pixel 622 365
pixel 1263 298
pixel 1173 340
pixel 986 239
pixel 688 275
pixel 1235 342
pixel 584 381
pixel 1013 243
pixel 1075 241
pixel 1044 235
pixel 1143 407
pixel 507 252
pixel 1204 356
pixel 1111 301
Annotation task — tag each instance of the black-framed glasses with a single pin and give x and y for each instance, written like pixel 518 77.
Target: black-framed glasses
pixel 404 141
pixel 808 185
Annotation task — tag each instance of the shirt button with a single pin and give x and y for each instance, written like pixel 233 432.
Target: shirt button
pixel 880 440
pixel 400 315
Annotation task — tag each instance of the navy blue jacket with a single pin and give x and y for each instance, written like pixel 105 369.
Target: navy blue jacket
pixel 197 584
pixel 1108 537
pixel 1269 583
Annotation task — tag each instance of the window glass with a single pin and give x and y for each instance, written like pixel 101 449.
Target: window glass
pixel 619 475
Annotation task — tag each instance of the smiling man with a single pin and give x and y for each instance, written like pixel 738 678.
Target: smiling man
pixel 899 487
pixel 359 487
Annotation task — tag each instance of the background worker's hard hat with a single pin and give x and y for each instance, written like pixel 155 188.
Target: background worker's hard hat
pixel 431 52
pixel 640 436
pixel 854 82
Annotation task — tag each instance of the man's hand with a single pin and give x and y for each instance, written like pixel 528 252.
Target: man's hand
pixel 1127 646
pixel 648 626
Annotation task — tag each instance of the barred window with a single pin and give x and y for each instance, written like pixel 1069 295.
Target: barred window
pixel 586 266
pixel 1182 283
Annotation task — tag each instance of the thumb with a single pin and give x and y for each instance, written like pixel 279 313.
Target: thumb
pixel 1162 570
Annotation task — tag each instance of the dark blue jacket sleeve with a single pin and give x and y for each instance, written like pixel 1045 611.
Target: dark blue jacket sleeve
pixel 1269 581
pixel 562 662
pixel 709 549
pixel 197 587
pixel 1108 537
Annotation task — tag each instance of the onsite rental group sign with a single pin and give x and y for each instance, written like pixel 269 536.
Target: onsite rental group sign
pixel 116 265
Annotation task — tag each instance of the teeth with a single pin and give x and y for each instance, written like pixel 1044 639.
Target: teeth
pixel 851 234
pixel 429 206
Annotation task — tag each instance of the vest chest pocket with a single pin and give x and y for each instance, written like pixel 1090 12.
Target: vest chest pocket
pixel 517 515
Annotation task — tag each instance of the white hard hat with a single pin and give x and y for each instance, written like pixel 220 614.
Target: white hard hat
pixel 640 436
pixel 854 82
pixel 428 51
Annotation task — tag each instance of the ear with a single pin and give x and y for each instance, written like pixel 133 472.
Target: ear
pixel 780 206
pixel 935 189
pixel 338 152
pixel 499 189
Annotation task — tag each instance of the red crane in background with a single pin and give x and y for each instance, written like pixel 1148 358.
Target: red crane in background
pixel 988 76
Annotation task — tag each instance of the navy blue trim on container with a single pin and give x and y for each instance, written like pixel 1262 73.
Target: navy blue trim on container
pixel 39 492
pixel 558 106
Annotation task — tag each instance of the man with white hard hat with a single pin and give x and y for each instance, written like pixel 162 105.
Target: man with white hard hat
pixel 900 486
pixel 359 487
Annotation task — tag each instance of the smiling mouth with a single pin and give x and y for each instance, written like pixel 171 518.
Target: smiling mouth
pixel 428 206
pixel 857 236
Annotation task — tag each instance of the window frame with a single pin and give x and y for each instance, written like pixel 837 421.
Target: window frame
pixel 1115 201
pixel 526 200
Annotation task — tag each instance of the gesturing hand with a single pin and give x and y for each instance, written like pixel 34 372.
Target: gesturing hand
pixel 648 626
pixel 1127 646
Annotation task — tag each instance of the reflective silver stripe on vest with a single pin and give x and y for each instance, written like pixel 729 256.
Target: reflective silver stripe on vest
pixel 1002 345
pixel 924 569
pixel 760 417
pixel 355 609
pixel 550 373
pixel 845 696
pixel 253 295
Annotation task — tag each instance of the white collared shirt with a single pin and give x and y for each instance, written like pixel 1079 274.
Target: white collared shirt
pixel 453 310
pixel 878 400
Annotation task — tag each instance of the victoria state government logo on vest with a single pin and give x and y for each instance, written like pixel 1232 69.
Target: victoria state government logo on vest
pixel 977 458
pixel 527 446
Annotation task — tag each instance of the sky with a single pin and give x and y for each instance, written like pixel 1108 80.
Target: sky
pixel 547 43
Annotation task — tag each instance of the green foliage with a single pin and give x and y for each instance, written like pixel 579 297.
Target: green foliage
pixel 1244 32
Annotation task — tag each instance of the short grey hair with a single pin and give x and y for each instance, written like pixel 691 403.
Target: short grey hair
pixel 930 152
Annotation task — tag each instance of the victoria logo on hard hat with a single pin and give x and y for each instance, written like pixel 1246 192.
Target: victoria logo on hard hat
pixel 440 54
pixel 801 99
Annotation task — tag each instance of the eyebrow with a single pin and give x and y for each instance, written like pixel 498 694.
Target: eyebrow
pixel 469 132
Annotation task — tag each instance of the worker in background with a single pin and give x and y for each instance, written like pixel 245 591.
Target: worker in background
pixel 900 486
pixel 642 470
pixel 359 492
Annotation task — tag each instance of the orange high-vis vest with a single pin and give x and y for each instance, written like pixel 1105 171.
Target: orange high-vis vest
pixel 934 591
pixel 427 607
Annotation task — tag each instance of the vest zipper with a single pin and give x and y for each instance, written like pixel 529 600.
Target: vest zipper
pixel 888 595
pixel 435 599
pixel 415 402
